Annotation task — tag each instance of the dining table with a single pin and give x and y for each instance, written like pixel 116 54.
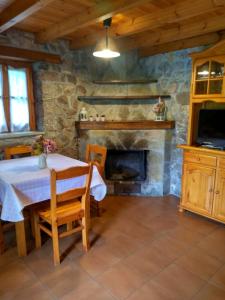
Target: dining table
pixel 23 183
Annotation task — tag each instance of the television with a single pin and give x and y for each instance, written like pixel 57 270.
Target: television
pixel 211 128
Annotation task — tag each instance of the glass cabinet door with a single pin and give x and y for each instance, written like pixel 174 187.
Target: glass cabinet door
pixel 201 80
pixel 209 78
pixel 216 77
pixel 202 71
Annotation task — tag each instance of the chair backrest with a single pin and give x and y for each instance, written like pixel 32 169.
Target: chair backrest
pixel 17 150
pixel 97 155
pixel 82 193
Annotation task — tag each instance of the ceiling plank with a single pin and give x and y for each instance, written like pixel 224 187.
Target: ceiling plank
pixel 20 10
pixel 24 54
pixel 197 41
pixel 175 13
pixel 182 31
pixel 102 10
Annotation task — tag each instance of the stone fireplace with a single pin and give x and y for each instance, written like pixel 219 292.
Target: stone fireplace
pixel 155 146
pixel 126 165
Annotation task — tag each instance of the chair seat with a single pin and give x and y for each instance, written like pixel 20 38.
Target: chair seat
pixel 65 212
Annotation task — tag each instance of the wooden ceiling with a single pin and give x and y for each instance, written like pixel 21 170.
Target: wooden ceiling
pixel 153 26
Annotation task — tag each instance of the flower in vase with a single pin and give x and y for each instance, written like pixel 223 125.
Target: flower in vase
pixel 42 145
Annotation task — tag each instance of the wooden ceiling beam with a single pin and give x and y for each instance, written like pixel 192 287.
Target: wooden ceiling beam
pixel 28 55
pixel 182 31
pixel 206 39
pixel 102 10
pixel 20 10
pixel 175 13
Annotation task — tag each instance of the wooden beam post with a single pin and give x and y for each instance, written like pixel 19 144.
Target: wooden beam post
pixel 24 54
pixel 176 13
pixel 182 31
pixel 20 10
pixel 197 41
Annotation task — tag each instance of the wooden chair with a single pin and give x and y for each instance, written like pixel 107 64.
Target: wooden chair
pixel 9 153
pixel 17 150
pixel 65 209
pixel 2 242
pixel 97 155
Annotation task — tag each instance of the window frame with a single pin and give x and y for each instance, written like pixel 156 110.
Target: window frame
pixel 6 96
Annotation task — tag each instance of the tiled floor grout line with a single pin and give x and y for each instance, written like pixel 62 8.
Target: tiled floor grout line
pixel 168 234
pixel 40 282
pixel 153 277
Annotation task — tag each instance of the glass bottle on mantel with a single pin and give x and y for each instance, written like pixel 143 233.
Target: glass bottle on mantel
pixel 83 114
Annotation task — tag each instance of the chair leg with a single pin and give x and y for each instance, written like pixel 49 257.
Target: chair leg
pixel 85 234
pixel 32 223
pixel 2 243
pixel 37 230
pixel 55 242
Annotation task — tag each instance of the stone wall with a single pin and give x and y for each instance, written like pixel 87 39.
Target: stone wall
pixel 55 93
pixel 57 87
pixel 173 72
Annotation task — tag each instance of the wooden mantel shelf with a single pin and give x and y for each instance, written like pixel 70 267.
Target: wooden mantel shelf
pixel 117 81
pixel 124 125
pixel 108 97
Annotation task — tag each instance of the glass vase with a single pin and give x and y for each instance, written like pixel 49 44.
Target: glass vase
pixel 42 161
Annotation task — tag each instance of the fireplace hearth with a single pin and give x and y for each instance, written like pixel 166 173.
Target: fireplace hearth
pixel 126 165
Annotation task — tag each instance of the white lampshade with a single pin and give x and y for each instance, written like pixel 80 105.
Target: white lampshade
pixel 106 53
pixel 106 48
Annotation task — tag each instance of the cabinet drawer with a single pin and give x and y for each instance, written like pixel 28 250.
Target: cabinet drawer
pixel 221 163
pixel 200 158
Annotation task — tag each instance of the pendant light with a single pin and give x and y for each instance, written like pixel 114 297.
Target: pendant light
pixel 106 52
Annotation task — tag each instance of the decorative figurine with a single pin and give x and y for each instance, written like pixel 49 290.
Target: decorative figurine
pixel 102 118
pixel 83 114
pixel 160 110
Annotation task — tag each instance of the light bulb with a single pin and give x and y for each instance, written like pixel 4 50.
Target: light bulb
pixel 106 53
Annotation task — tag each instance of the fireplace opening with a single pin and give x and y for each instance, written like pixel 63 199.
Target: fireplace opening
pixel 126 165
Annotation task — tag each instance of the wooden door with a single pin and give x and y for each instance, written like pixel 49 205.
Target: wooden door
pixel 198 188
pixel 219 198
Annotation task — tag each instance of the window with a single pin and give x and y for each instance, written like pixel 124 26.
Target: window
pixel 16 98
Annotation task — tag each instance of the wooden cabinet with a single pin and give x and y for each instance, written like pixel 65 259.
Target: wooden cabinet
pixel 203 182
pixel 219 196
pixel 198 184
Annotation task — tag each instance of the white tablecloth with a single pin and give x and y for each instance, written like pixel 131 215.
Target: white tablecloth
pixel 23 183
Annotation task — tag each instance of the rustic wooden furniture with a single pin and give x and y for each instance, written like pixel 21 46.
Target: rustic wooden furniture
pixel 9 153
pixel 65 208
pixel 33 187
pixel 97 155
pixel 17 150
pixel 203 180
pixel 2 242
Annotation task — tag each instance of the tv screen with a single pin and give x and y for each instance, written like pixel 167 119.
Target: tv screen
pixel 211 127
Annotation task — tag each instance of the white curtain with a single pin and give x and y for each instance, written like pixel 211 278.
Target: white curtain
pixel 3 126
pixel 19 109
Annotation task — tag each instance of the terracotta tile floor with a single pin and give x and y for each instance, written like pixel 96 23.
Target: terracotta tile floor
pixel 142 249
